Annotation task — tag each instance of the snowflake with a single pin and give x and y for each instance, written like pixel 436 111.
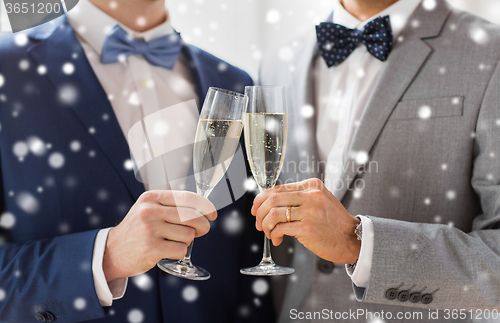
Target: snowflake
pixel 113 5
pixel 24 64
pixel 257 302
pixel 429 4
pixel 27 202
pixel 285 54
pixel 39 189
pixel 21 39
pixel 36 146
pixel 56 160
pixel 437 219
pixel 442 70
pixel 273 16
pixel 64 228
pixel 68 94
pixel 68 68
pixel 143 282
pixel 290 250
pixel 260 286
pixel 7 220
pixel 479 35
pixel 160 128
pixel 80 303
pixel 307 111
pixel 414 246
pixel 128 164
pixel 102 195
pixel 394 192
pixel 254 247
pixel 451 224
pixel 20 149
pixel 92 130
pixel 190 293
pixel 357 193
pixel 222 67
pixel 451 195
pixel 427 201
pixel 361 157
pixel 244 311
pixel 92 153
pixel 141 21
pixel 233 224
pixel 424 112
pixel 3 294
pixel 249 184
pixel 2 80
pixel 75 145
pixel 415 23
pixel 293 278
pixel 135 316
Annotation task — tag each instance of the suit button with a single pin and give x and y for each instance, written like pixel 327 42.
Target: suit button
pixel 325 266
pixel 427 299
pixel 415 297
pixel 40 317
pixel 391 293
pixel 49 316
pixel 403 295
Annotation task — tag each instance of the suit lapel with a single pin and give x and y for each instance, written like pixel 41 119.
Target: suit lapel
pixel 403 65
pixel 91 101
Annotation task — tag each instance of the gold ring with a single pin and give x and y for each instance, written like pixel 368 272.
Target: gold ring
pixel 288 214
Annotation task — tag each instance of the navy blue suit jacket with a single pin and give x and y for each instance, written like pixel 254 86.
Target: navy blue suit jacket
pixel 45 257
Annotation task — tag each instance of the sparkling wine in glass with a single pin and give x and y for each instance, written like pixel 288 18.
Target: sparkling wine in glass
pixel 217 137
pixel 265 141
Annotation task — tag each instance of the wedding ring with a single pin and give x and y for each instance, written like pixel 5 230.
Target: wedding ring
pixel 288 214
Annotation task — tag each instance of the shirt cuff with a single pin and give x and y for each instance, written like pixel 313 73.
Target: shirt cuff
pixel 361 273
pixel 106 291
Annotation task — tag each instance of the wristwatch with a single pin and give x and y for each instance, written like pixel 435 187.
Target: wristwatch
pixel 358 231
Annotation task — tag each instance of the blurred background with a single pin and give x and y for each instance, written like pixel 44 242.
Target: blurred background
pixel 242 31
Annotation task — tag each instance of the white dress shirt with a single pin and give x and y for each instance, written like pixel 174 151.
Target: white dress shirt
pixel 136 89
pixel 342 93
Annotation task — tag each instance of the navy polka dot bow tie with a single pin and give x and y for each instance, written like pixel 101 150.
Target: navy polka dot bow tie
pixel 337 42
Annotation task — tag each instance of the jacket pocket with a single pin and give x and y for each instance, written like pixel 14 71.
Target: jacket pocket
pixel 428 108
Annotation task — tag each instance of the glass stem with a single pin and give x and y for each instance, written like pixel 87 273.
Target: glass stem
pixel 267 259
pixel 187 258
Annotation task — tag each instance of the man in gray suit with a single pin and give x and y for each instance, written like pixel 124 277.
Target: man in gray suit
pixel 395 106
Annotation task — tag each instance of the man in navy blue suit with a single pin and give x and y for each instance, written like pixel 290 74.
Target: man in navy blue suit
pixel 71 90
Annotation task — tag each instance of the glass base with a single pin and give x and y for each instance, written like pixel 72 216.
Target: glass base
pixel 183 270
pixel 267 270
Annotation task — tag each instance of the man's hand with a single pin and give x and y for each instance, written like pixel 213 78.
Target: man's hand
pixel 153 230
pixel 318 220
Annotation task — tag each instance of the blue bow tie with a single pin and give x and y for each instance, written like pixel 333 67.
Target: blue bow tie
pixel 162 51
pixel 337 42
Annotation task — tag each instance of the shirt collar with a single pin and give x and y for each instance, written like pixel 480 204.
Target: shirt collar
pixel 399 12
pixel 92 25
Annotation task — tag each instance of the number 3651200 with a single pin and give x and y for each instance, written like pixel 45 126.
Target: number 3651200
pixel 32 7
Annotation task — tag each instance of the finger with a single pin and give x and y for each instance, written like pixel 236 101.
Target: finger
pixel 278 215
pixel 307 185
pixel 187 217
pixel 181 199
pixel 176 232
pixel 275 200
pixel 171 249
pixel 281 229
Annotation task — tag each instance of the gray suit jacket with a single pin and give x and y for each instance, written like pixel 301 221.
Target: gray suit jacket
pixel 432 186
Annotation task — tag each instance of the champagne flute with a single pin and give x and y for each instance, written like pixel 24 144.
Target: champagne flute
pixel 217 138
pixel 265 142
